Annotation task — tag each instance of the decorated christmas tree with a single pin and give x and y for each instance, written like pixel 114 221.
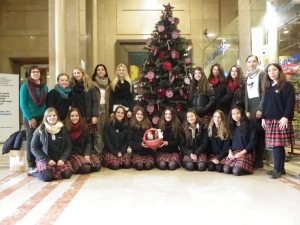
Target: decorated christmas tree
pixel 166 71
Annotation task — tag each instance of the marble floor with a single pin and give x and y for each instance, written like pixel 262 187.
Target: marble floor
pixel 150 197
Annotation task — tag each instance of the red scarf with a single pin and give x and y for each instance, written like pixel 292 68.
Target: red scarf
pixel 32 85
pixel 233 86
pixel 75 131
pixel 214 81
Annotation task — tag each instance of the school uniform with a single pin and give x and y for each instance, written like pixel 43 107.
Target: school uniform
pixel 198 145
pixel 80 148
pixel 171 151
pixel 115 141
pixel 217 148
pixel 238 144
pixel 139 154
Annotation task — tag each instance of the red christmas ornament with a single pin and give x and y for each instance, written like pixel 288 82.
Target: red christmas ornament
pixel 167 16
pixel 161 28
pixel 150 75
pixel 161 55
pixel 176 77
pixel 143 98
pixel 168 7
pixel 161 92
pixel 187 60
pixel 167 66
pixel 182 86
pixel 148 41
pixel 150 108
pixel 171 20
pixel 150 80
pixel 178 109
pixel 152 49
pixel 166 36
pixel 148 63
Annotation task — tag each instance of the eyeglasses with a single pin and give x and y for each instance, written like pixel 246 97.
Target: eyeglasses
pixel 35 71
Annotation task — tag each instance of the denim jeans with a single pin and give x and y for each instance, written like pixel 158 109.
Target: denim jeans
pixel 29 133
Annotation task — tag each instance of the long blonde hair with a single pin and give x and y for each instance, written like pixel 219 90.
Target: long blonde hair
pixel 87 81
pixel 222 130
pixel 126 77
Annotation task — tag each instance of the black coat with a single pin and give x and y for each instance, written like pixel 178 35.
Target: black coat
pixel 39 145
pixel 135 139
pixel 14 141
pixel 173 143
pixel 199 145
pixel 203 104
pixel 115 140
pixel 86 145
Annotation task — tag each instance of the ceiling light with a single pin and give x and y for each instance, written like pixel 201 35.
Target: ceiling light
pixel 285 32
pixel 210 35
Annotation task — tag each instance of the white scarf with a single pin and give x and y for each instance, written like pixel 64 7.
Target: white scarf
pixel 53 129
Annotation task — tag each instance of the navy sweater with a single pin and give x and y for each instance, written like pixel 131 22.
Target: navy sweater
pixel 239 142
pixel 279 104
pixel 218 146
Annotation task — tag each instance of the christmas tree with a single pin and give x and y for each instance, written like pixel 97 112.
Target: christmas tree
pixel 166 70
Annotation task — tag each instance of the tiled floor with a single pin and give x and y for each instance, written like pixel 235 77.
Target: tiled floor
pixel 152 197
pixel 149 197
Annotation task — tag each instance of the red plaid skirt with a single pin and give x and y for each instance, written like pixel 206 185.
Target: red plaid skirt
pixel 201 158
pixel 109 158
pixel 167 157
pixel 78 161
pixel 57 170
pixel 215 156
pixel 92 128
pixel 245 162
pixel 276 137
pixel 142 159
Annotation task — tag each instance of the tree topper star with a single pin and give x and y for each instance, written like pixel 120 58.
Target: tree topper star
pixel 168 7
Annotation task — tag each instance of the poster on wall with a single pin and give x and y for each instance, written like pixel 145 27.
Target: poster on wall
pixel 9 105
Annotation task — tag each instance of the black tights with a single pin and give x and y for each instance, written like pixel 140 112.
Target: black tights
pixel 235 170
pixel 116 166
pixel 147 166
pixel 86 168
pixel 47 175
pixel 215 167
pixel 172 165
pixel 279 158
pixel 200 166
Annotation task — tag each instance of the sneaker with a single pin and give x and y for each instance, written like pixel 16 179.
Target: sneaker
pixel 275 174
pixel 30 171
pixel 282 172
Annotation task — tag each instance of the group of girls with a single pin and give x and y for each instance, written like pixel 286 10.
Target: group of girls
pixel 63 139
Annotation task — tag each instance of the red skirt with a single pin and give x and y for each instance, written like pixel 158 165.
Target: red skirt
pixel 56 170
pixel 215 156
pixel 92 128
pixel 78 161
pixel 201 158
pixel 245 162
pixel 276 137
pixel 142 159
pixel 109 158
pixel 167 157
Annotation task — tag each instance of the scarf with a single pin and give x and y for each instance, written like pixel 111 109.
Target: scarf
pixel 102 82
pixel 53 129
pixel 253 73
pixel 75 131
pixel 168 126
pixel 78 87
pixel 232 86
pixel 63 92
pixel 214 81
pixel 32 85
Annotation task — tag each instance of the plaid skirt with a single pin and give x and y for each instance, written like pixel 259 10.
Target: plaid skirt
pixel 92 128
pixel 142 159
pixel 56 170
pixel 201 158
pixel 215 156
pixel 276 137
pixel 78 161
pixel 108 158
pixel 167 157
pixel 245 162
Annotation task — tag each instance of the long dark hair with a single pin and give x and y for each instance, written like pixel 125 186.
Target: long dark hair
pixel 68 121
pixel 95 73
pixel 186 126
pixel 280 81
pixel 144 124
pixel 222 78
pixel 244 122
pixel 240 80
pixel 175 122
pixel 202 86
